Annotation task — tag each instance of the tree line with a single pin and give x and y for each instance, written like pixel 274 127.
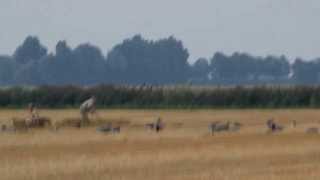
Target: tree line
pixel 147 96
pixel 139 61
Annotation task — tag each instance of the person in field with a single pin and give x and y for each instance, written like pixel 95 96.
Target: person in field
pixel 34 119
pixel 32 109
pixel 88 106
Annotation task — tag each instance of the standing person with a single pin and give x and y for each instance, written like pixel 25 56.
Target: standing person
pixel 88 106
pixel 33 111
pixel 33 117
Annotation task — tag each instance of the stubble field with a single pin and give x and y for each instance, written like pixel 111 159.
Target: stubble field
pixel 185 150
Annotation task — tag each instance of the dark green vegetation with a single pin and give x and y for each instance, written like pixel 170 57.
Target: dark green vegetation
pixel 138 61
pixel 164 97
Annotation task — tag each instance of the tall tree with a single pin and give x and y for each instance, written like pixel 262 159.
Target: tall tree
pixel 58 69
pixel 30 50
pixel 157 62
pixel 200 71
pixel 305 72
pixel 277 67
pixel 7 70
pixel 89 65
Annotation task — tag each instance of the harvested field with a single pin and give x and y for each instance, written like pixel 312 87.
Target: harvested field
pixel 184 150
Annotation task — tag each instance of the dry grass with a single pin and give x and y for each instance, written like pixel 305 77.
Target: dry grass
pixel 184 150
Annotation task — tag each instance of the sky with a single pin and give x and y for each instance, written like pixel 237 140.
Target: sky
pixel 259 27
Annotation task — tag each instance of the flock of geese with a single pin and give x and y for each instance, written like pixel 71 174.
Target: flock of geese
pixel 272 127
pixel 157 126
pixel 214 127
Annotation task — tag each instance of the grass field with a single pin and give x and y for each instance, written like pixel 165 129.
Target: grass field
pixel 183 151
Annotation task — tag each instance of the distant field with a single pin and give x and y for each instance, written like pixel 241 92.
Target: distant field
pixel 183 151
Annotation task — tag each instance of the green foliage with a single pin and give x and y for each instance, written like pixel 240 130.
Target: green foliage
pixel 30 50
pixel 137 61
pixel 164 97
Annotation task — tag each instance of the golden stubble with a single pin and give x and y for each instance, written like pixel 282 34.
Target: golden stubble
pixel 184 150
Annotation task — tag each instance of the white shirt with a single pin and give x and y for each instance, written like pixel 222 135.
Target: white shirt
pixel 88 105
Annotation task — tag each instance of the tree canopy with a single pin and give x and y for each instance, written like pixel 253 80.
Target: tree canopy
pixel 140 61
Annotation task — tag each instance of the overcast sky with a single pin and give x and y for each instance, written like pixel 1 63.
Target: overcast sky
pixel 260 27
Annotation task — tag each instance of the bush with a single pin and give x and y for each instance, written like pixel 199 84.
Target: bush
pixel 164 97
